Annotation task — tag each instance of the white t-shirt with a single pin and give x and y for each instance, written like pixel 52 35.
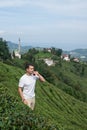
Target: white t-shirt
pixel 27 82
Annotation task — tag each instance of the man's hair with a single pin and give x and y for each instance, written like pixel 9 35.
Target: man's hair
pixel 27 65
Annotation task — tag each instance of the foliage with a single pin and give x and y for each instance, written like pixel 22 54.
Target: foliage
pixel 73 75
pixel 13 113
pixel 63 73
pixel 55 110
pixel 60 104
pixel 30 55
pixel 72 81
pixel 4 51
pixel 56 52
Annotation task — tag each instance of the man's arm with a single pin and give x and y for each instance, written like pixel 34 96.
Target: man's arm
pixel 41 78
pixel 21 95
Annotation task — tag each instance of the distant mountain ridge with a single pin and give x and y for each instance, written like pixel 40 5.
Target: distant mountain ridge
pixel 13 46
pixel 78 53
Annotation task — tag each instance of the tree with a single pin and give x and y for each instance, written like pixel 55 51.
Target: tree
pixel 53 50
pixel 4 51
pixel 13 54
pixel 59 52
pixel 83 70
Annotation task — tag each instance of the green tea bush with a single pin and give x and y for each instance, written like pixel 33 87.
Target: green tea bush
pixel 16 116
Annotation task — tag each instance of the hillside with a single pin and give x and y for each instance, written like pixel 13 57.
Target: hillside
pixel 55 110
pixel 14 115
pixel 71 78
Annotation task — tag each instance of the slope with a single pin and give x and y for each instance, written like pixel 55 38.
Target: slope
pixel 14 115
pixel 70 78
pixel 53 106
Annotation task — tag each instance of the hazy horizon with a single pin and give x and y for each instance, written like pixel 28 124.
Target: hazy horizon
pixel 45 46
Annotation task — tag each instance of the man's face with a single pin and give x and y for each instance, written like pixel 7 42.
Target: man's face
pixel 30 70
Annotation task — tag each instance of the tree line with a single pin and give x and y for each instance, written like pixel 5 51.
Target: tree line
pixel 4 50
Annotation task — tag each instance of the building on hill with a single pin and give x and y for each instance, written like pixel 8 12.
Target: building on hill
pixel 65 57
pixel 49 62
pixel 76 60
pixel 17 54
pixel 49 49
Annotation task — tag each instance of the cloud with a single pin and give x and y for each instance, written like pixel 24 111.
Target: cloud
pixel 47 4
pixel 65 7
pixel 11 3
pixel 2 32
pixel 56 25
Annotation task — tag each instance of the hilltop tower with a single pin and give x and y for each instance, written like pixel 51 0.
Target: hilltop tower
pixel 19 46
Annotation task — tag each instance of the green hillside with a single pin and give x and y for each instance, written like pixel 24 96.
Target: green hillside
pixel 55 110
pixel 71 78
pixel 14 115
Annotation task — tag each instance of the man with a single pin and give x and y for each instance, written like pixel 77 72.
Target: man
pixel 27 83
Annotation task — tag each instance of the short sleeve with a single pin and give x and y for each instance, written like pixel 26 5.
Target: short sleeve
pixel 21 83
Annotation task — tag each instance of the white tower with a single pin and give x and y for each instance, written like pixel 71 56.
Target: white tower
pixel 19 46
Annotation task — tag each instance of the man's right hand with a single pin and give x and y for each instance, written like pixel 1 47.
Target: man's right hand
pixel 25 101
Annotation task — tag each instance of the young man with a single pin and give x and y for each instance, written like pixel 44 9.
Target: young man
pixel 26 85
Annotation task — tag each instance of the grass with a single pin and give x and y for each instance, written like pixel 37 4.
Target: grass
pixel 55 110
pixel 42 55
pixel 68 79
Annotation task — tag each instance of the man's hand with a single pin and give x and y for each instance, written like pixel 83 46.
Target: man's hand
pixel 39 75
pixel 25 101
pixel 36 73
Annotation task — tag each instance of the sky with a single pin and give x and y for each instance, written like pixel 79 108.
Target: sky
pixel 45 23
